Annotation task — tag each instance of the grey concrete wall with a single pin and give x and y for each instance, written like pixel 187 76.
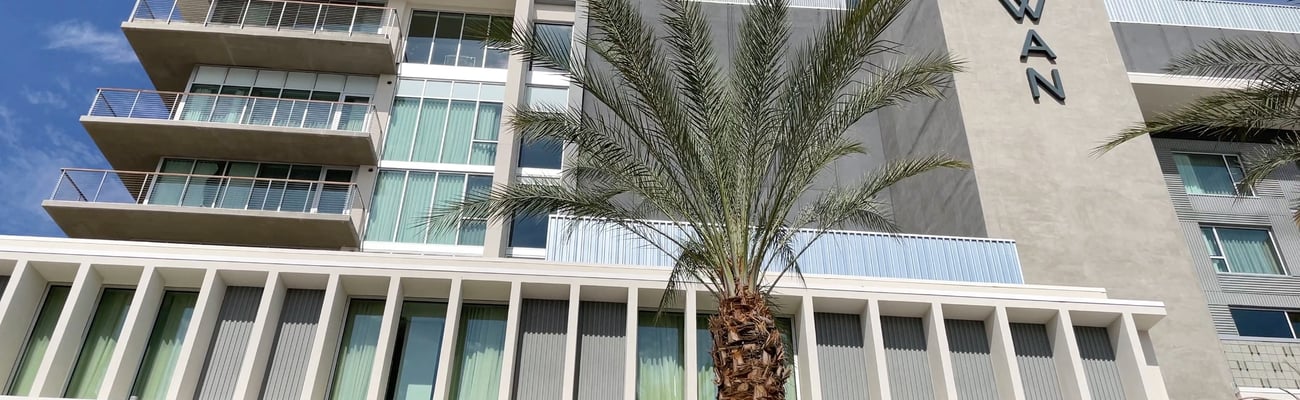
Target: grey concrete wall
pixel 1148 48
pixel 1078 219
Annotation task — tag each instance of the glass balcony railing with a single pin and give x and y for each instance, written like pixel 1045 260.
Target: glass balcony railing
pixel 1243 15
pixel 276 14
pixel 207 191
pixel 359 118
pixel 846 253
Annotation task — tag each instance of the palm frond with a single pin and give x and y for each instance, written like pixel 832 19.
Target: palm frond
pixel 1234 114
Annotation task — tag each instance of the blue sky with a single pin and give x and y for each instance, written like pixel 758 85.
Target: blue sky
pixel 56 53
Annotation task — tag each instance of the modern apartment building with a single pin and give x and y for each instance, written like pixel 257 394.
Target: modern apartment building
pixel 256 237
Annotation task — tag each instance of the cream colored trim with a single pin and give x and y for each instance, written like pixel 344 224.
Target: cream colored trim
pixel 571 343
pixel 810 371
pixel 508 351
pixel 18 308
pixel 185 378
pixel 1002 348
pixel 691 345
pixel 446 356
pixel 70 331
pixel 384 349
pixel 134 336
pixel 1146 78
pixel 261 340
pixel 1069 365
pixel 936 337
pixel 873 338
pixel 629 352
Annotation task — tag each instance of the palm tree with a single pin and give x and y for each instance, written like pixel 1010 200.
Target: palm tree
pixel 730 153
pixel 1263 105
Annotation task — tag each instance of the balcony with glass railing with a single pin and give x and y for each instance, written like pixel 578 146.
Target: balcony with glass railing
pixel 172 36
pixel 207 209
pixel 135 128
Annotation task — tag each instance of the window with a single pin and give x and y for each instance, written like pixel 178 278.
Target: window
pixel 357 349
pixel 1266 323
pixel 279 98
pixel 101 341
pixel 1239 250
pixel 477 370
pixel 403 200
pixel 659 352
pixel 559 34
pixel 419 345
pixel 456 39
pixel 1211 174
pixel 164 347
pixel 252 186
pixel 301 15
pixel 445 122
pixel 529 231
pixel 544 154
pixel 38 342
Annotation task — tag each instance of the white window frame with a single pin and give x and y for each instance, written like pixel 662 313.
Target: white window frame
pixel 1277 252
pixel 1237 187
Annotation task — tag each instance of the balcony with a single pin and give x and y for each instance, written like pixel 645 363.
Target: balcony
pixel 172 36
pixel 206 209
pixel 135 128
pixel 1236 15
pixel 860 254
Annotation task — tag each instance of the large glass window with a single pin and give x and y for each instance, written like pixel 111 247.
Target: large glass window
pixel 357 349
pixel 101 340
pixel 1265 322
pixel 404 199
pixel 706 373
pixel 659 351
pixel 445 122
pixel 477 373
pixel 279 98
pixel 529 231
pixel 545 154
pixel 164 347
pixel 1212 174
pixel 419 345
pixel 552 33
pixel 252 186
pixel 456 39
pixel 1239 250
pixel 38 342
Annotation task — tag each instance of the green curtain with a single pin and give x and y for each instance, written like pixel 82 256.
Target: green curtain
pixel 39 341
pixel 429 135
pixel 101 340
pixel 1249 251
pixel 451 188
pixel 486 129
pixel 460 128
pixel 660 374
pixel 477 374
pixel 202 192
pixel 705 370
pixel 1205 174
pixel 385 206
pixel 401 129
pixel 164 346
pixel 357 349
pixel 419 346
pixel 239 191
pixel 415 207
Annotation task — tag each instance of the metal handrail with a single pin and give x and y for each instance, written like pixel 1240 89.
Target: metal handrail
pixel 236 109
pixel 277 14
pixel 207 191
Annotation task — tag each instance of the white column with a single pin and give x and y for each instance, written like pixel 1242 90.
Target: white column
pixel 571 343
pixel 497 238
pixel 387 341
pixel 18 309
pixel 1129 356
pixel 65 343
pixel 325 345
pixel 1002 350
pixel 810 379
pixel 134 337
pixel 936 337
pixel 512 342
pixel 261 341
pixel 448 353
pixel 873 338
pixel 629 360
pixel 1069 365
pixel 185 377
pixel 691 345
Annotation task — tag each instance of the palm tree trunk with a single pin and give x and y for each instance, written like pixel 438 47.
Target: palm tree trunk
pixel 748 354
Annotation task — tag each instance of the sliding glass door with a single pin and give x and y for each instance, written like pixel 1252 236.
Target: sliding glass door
pixel 101 340
pixel 477 373
pixel 357 349
pixel 38 342
pixel 164 347
pixel 419 346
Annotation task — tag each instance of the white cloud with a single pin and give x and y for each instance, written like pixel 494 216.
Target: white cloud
pixel 30 169
pixel 84 37
pixel 44 98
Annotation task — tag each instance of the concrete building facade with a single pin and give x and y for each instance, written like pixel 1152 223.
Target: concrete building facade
pixel 256 237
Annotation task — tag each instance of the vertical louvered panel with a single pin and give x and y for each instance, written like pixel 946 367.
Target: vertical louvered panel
pixel 972 361
pixel 1099 363
pixel 1208 13
pixel 906 357
pixel 602 348
pixel 1036 360
pixel 291 351
pixel 229 342
pixel 840 356
pixel 540 366
pixel 837 253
